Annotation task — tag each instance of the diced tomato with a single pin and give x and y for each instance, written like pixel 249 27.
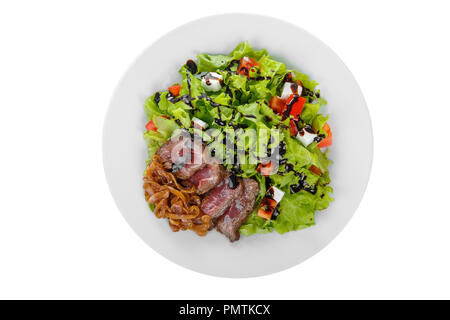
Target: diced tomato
pixel 277 104
pixel 328 141
pixel 315 170
pixel 297 107
pixel 245 65
pixel 293 130
pixel 150 126
pixel 175 90
pixel 266 169
pixel 267 208
pixel 288 77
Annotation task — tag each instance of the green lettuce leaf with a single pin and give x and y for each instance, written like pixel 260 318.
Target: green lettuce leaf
pixel 270 67
pixel 244 49
pixel 207 62
pixel 151 108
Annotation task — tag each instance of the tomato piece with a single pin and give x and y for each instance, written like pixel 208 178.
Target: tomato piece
pixel 150 126
pixel 288 77
pixel 315 170
pixel 267 208
pixel 245 65
pixel 175 90
pixel 328 141
pixel 296 106
pixel 293 130
pixel 277 104
pixel 266 169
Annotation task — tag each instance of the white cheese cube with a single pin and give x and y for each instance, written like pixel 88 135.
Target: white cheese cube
pixel 290 88
pixel 212 81
pixel 277 194
pixel 199 124
pixel 306 137
pixel 269 203
pixel 246 60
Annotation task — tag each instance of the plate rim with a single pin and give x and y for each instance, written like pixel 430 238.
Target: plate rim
pixel 208 17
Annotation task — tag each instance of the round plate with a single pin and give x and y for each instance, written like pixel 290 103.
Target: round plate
pixel 124 149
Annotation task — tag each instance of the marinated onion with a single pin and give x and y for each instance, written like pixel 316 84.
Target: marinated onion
pixel 179 204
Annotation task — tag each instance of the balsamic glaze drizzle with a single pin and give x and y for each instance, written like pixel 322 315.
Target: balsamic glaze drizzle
pixel 276 212
pixel 260 78
pixel 288 110
pixel 302 184
pixel 232 63
pixel 157 97
pixel 232 180
pixel 191 66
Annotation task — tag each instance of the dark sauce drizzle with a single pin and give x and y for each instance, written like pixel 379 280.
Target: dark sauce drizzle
pixel 276 212
pixel 157 97
pixel 191 66
pixel 287 77
pixel 260 78
pixel 319 138
pixel 220 122
pixel 288 110
pixel 229 92
pixel 302 185
pixel 232 63
pixel 232 180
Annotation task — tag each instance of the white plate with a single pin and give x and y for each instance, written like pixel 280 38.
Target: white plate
pixel 124 150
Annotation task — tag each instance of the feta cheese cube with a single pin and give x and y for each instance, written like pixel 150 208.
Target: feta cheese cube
pixel 277 194
pixel 291 88
pixel 212 81
pixel 269 203
pixel 306 136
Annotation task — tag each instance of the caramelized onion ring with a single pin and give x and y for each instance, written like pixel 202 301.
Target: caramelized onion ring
pixel 173 201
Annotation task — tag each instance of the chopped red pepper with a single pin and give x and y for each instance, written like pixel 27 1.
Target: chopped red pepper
pixel 328 141
pixel 288 77
pixel 175 90
pixel 315 170
pixel 150 126
pixel 267 208
pixel 245 65
pixel 297 106
pixel 277 104
pixel 266 169
pixel 293 130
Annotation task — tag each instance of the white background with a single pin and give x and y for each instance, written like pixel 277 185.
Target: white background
pixel 61 235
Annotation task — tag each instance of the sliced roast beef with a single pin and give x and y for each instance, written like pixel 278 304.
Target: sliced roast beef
pixel 217 201
pixel 183 156
pixel 165 151
pixel 237 213
pixel 207 178
pixel 192 165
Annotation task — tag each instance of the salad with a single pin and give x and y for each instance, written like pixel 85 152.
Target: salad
pixel 261 123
